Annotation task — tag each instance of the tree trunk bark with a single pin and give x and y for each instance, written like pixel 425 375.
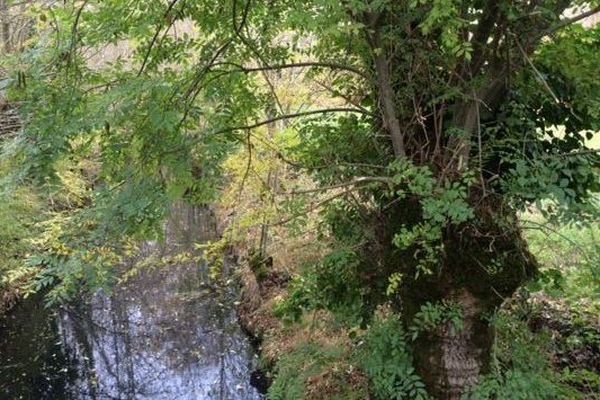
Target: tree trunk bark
pixel 450 361
pixel 4 26
pixel 483 262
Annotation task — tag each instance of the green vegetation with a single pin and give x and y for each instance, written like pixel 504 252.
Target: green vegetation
pixel 317 365
pixel 17 215
pixel 570 255
pixel 522 369
pixel 414 181
pixel 385 358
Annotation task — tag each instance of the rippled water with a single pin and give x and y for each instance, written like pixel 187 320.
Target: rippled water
pixel 168 333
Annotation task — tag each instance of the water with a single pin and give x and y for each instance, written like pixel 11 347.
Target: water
pixel 168 333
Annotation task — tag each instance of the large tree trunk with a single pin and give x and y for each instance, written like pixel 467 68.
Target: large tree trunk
pixel 450 361
pixel 483 263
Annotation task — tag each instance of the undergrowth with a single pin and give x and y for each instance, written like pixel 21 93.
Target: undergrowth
pixel 521 365
pixel 384 355
pixel 539 353
pixel 317 372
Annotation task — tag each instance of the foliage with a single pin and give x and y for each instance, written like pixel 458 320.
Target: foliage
pixel 19 211
pixel 384 355
pixel 587 380
pixel 441 205
pixel 168 118
pixel 288 383
pixel 555 121
pixel 442 119
pixel 522 370
pixel 531 365
pixel 569 254
pixel 432 316
pixel 331 284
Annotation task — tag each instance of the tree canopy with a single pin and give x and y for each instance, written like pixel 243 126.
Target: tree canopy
pixel 431 123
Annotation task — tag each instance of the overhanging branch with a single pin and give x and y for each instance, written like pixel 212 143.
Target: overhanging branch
pixel 362 180
pixel 292 116
pixel 317 64
pixel 155 37
pixel 568 21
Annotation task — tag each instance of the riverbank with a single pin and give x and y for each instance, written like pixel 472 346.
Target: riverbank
pixel 541 341
pixel 287 370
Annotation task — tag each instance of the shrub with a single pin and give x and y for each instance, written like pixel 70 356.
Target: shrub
pixel 332 284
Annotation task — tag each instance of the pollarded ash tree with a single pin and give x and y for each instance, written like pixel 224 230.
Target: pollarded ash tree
pixel 445 119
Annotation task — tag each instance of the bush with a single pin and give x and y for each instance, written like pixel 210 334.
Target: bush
pixel 332 284
pixel 19 211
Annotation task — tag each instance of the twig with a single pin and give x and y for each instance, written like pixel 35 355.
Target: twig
pixel 358 181
pixel 245 177
pixel 74 35
pixel 537 72
pixel 153 41
pixel 311 208
pixel 568 21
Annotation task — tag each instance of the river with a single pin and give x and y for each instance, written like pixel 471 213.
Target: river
pixel 169 332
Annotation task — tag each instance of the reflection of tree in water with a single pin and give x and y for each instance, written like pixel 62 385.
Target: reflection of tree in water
pixel 165 333
pixel 33 364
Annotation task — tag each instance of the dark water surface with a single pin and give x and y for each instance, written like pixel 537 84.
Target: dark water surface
pixel 168 333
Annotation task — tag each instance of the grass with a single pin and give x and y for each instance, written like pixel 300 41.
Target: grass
pixel 569 256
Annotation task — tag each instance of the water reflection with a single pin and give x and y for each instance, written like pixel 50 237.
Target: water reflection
pixel 32 360
pixel 165 334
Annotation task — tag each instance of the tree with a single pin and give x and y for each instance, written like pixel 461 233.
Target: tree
pixel 446 118
pixel 5 28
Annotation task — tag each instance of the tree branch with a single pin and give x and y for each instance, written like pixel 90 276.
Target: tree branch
pixel 568 21
pixel 194 89
pixel 537 72
pixel 358 181
pixel 331 65
pixel 291 116
pixel 74 35
pixel 153 41
pixel 311 208
pixel 386 93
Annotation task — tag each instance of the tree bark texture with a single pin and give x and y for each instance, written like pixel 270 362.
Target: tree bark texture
pixel 4 26
pixel 482 265
pixel 450 361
